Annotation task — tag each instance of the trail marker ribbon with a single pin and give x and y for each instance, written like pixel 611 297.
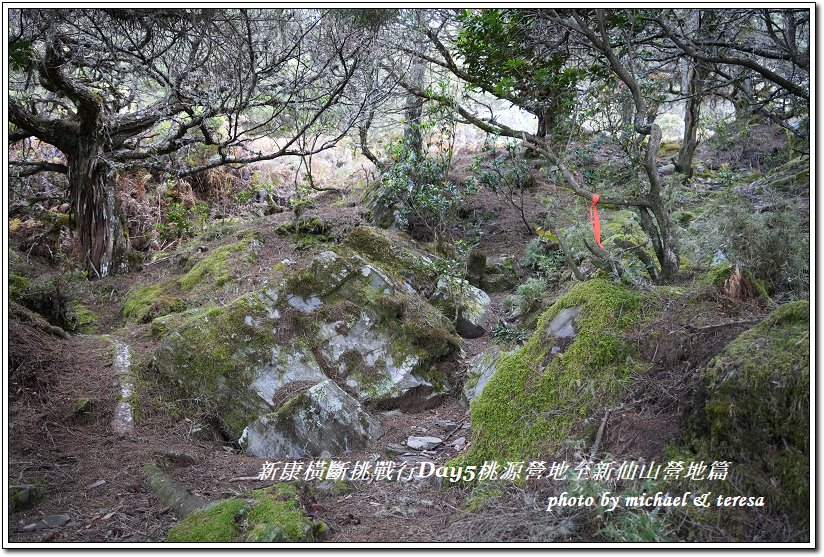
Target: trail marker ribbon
pixel 594 220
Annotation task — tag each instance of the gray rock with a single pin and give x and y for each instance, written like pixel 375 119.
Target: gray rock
pixel 666 170
pixel 322 418
pixel 471 304
pixel 459 443
pixel 51 521
pixel 204 432
pixel 480 371
pixel 288 365
pixel 303 305
pixel 563 325
pixel 446 424
pixel 370 361
pixel 423 443
pixel 250 365
pixel 394 448
pixel 377 280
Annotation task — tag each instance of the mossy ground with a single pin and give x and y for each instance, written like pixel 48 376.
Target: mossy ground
pixel 755 413
pixel 216 268
pixel 534 400
pixel 264 516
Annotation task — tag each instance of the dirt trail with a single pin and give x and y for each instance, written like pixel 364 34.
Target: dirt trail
pixel 89 465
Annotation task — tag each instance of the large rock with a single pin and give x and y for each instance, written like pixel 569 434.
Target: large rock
pixel 369 361
pixel 344 331
pixel 321 419
pixel 468 304
pixel 563 328
pixel 539 395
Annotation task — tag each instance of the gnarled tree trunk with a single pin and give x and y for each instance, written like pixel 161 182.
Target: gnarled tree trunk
pixel 95 208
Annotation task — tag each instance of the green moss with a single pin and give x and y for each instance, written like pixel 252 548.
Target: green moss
pixel 304 282
pixel 219 263
pixel 17 287
pixel 161 325
pixel 214 353
pixel 483 495
pixel 24 497
pixel 623 225
pixel 683 217
pixel 534 400
pixel 668 148
pixel 264 516
pixel 87 320
pixel 277 507
pixel 306 233
pixel 756 410
pixel 216 524
pixel 718 274
pixel 343 487
pixel 392 253
pixel 144 303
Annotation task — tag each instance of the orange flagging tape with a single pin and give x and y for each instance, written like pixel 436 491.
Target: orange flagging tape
pixel 594 220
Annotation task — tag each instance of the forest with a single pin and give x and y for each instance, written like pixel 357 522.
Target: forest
pixel 326 276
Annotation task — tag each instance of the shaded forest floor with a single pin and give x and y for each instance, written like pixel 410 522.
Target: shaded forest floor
pixel 96 478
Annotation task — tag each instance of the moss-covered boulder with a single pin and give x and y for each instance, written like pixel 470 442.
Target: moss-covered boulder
pixel 394 253
pixel 217 354
pixel 263 516
pixel 233 362
pixel 263 363
pixel 371 331
pixel 574 364
pixel 755 412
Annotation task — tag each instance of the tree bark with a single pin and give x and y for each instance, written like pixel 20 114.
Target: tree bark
pixel 414 111
pixel 95 208
pixel 692 114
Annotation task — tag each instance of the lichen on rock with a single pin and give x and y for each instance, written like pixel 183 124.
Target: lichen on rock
pixel 322 419
pixel 266 364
